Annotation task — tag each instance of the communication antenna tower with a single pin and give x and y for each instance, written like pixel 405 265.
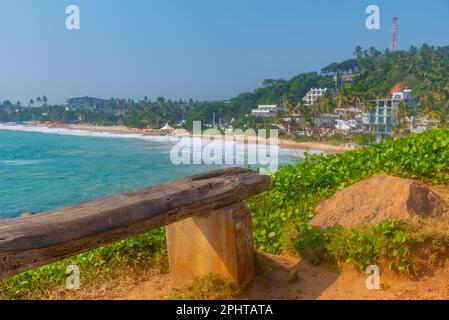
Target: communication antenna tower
pixel 394 35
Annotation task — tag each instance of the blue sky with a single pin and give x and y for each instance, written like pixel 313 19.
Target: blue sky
pixel 204 49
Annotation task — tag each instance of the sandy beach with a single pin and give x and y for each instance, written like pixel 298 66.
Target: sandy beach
pixel 283 143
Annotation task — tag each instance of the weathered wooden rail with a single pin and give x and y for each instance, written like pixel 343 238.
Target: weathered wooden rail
pixel 209 228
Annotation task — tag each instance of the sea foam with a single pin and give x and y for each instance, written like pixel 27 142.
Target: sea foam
pixel 88 133
pixel 117 135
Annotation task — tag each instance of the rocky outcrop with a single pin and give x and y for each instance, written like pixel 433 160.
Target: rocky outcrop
pixel 378 199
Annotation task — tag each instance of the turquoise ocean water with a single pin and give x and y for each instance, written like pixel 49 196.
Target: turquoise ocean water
pixel 41 171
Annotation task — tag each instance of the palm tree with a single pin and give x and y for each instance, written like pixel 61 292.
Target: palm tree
pixel 401 115
pixel 427 108
pixel 31 102
pixel 358 52
pixel 38 100
pixel 279 119
pixel 45 100
pixel 327 103
pixel 290 104
pixel 444 114
pixel 306 113
pixel 343 98
pixel 322 105
pixel 441 103
pixel 366 107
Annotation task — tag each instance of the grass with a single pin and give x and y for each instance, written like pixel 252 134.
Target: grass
pixel 362 246
pixel 402 246
pixel 208 287
pixel 96 266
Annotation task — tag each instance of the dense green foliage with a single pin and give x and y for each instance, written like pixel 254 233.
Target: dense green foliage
pixel 297 188
pixel 424 70
pixel 272 91
pixel 148 114
pixel 55 114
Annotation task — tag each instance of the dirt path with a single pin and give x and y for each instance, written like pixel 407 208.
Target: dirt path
pixel 275 280
pixel 317 282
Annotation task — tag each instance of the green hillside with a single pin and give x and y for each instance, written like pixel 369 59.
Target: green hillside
pixel 425 70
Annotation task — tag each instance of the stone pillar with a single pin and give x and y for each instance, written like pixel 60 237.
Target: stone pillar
pixel 219 242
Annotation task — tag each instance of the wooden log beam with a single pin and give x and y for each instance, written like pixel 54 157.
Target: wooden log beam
pixel 26 243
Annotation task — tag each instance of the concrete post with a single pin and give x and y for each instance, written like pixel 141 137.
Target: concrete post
pixel 219 242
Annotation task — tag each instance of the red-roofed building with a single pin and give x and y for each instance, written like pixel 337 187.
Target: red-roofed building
pixel 396 88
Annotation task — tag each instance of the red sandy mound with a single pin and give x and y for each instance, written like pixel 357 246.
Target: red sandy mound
pixel 378 199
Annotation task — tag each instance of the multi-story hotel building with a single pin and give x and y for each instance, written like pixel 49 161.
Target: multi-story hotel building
pixel 313 95
pixel 381 121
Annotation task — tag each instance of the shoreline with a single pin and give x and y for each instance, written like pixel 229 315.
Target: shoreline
pixel 282 143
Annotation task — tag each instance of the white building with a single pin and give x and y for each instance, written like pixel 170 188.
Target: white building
pixel 382 120
pixel 346 125
pixel 402 95
pixel 313 95
pixel 265 110
pixel 87 103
